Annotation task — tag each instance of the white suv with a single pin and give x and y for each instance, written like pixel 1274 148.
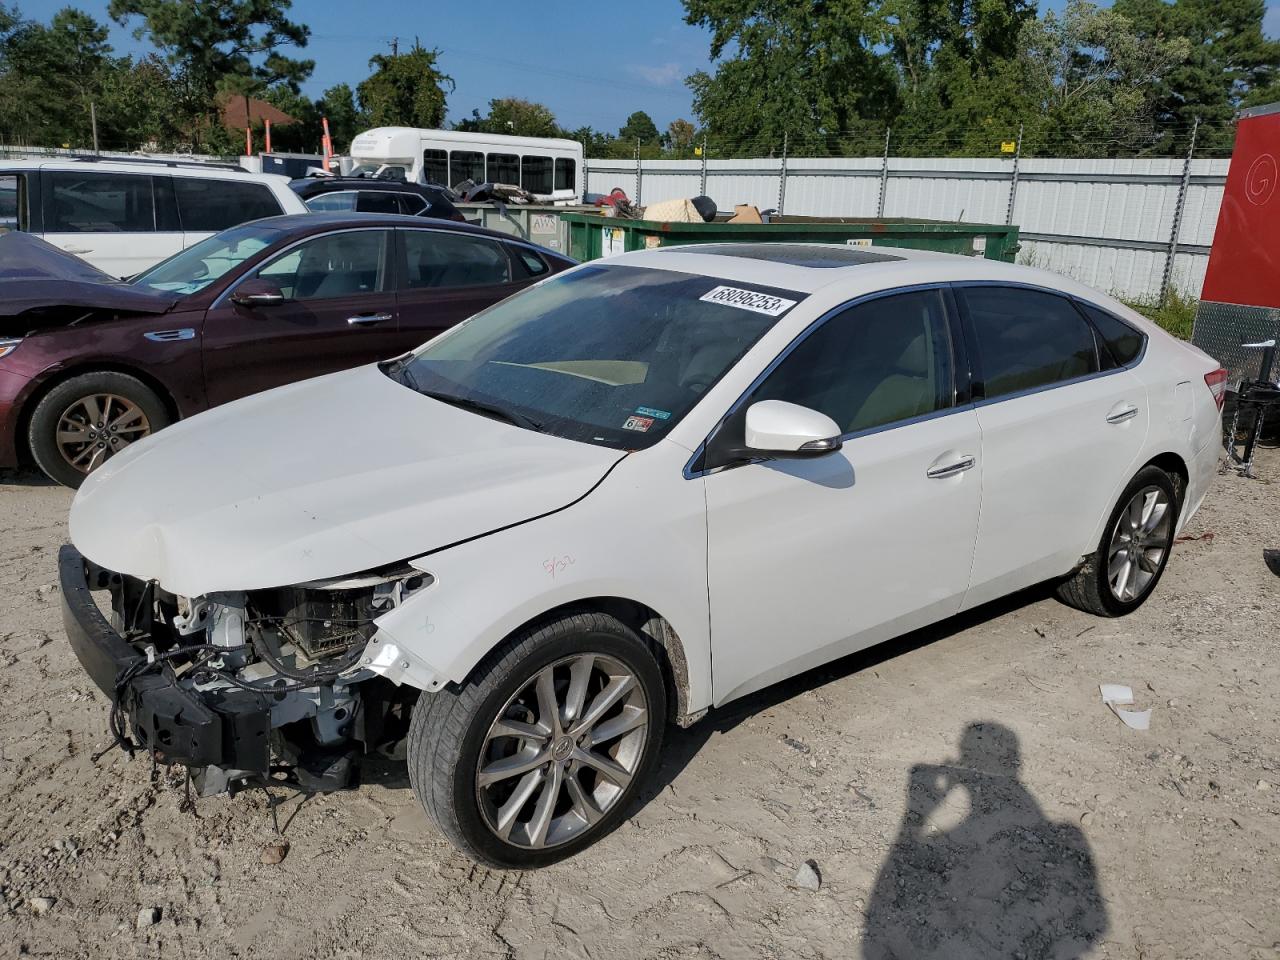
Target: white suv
pixel 125 216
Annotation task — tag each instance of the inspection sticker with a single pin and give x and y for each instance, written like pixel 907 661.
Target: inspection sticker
pixel 656 414
pixel 641 424
pixel 749 300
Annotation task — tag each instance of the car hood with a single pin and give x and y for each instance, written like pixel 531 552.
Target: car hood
pixel 35 275
pixel 323 478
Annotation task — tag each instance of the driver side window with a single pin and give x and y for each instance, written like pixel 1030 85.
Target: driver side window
pixel 877 363
pixel 334 265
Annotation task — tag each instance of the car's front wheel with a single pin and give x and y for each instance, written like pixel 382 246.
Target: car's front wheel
pixel 540 751
pixel 85 420
pixel 1134 551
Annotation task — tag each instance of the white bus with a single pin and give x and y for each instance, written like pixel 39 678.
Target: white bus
pixel 543 166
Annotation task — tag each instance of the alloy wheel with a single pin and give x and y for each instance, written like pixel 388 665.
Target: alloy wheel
pixel 94 428
pixel 562 751
pixel 1139 543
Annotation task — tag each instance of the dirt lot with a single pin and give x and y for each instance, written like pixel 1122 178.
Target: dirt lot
pixel 963 793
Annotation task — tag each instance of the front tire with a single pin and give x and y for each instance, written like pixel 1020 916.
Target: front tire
pixel 1119 576
pixel 84 421
pixel 540 751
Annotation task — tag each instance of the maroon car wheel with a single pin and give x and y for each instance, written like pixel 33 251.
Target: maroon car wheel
pixel 82 422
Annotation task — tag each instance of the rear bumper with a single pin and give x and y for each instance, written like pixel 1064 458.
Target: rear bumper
pixel 178 724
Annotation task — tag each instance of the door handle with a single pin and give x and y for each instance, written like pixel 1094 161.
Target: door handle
pixel 950 469
pixel 1121 414
pixel 366 318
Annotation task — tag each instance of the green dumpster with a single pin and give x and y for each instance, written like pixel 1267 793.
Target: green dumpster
pixel 592 236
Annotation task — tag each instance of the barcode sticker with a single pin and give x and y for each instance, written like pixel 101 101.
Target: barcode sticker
pixel 749 300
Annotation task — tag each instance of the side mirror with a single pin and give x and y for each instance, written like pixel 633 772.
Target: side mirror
pixel 256 292
pixel 783 429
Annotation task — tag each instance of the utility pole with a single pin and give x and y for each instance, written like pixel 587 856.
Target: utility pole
pixel 637 171
pixel 703 190
pixel 395 46
pixel 93 121
pixel 1177 216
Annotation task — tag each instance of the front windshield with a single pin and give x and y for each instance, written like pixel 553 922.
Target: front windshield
pixel 200 265
pixel 610 355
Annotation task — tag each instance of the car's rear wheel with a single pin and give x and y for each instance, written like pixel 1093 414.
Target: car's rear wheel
pixel 1134 551
pixel 540 751
pixel 84 421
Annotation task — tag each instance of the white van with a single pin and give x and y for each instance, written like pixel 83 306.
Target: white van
pixel 126 216
pixel 549 168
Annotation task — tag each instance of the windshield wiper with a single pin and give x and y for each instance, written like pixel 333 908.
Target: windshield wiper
pixel 485 409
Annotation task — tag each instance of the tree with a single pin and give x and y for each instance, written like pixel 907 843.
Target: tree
pixel 1230 63
pixel 1091 78
pixel 221 47
pixel 338 104
pixel 811 69
pixel 679 136
pixel 406 89
pixel 515 116
pixel 639 126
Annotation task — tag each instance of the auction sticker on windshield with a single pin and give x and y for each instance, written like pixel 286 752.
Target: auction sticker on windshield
pixel 752 300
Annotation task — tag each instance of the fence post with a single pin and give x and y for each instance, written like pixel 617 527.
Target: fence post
pixel 884 174
pixel 782 176
pixel 1177 215
pixel 703 190
pixel 1013 182
pixel 637 171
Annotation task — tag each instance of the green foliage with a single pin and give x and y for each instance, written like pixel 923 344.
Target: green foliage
pixel 639 126
pixel 405 89
pixel 515 117
pixel 1177 314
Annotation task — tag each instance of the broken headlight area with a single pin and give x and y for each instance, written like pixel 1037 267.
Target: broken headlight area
pixel 248 687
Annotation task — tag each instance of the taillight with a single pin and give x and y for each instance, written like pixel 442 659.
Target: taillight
pixel 1216 381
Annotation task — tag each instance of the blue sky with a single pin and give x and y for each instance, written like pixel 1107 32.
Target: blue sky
pixel 591 62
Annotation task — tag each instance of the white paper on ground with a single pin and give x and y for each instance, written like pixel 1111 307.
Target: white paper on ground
pixel 1115 695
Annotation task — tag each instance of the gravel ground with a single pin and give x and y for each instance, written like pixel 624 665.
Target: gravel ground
pixel 961 792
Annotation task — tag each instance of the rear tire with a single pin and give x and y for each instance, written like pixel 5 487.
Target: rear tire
pixel 84 421
pixel 492 760
pixel 1119 576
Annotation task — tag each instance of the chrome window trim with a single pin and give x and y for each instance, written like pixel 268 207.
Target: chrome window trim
pixel 690 473
pixel 226 294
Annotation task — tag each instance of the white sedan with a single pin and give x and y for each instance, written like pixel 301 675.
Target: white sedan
pixel 632 493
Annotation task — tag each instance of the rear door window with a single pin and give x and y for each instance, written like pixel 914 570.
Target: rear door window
pixel 89 202
pixel 1122 341
pixel 1026 339
pixel 377 201
pixel 436 259
pixel 213 205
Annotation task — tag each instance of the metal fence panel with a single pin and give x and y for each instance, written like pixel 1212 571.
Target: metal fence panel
pixel 1106 223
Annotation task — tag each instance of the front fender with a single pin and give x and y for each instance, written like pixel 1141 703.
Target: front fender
pixel 605 546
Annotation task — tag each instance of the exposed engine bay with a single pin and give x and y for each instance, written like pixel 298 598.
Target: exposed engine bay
pixel 281 674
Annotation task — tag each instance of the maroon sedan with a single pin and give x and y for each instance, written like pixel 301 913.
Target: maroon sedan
pixel 88 365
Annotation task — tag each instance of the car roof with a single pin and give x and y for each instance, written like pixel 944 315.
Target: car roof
pixel 807 268
pixel 179 168
pixel 327 184
pixel 303 224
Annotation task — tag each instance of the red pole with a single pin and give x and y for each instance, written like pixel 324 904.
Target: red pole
pixel 267 123
pixel 248 142
pixel 326 142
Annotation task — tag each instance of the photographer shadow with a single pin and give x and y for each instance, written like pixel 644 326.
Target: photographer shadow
pixel 978 871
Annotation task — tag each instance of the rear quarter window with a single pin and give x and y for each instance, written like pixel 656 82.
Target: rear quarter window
pixel 1122 341
pixel 213 205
